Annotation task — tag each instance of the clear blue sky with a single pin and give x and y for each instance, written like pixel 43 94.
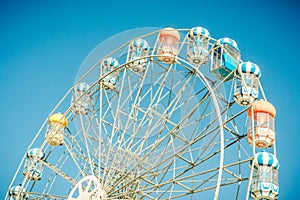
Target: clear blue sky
pixel 42 45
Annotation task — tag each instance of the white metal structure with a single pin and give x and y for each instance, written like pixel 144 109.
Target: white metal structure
pixel 169 131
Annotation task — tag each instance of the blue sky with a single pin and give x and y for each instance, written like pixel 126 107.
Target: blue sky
pixel 42 45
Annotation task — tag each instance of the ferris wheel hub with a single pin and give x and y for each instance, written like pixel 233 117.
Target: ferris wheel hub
pixel 88 188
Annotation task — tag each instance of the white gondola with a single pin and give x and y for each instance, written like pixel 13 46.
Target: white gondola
pixel 33 168
pixel 137 49
pixel 225 57
pixel 246 83
pixel 109 82
pixel 81 103
pixel 17 192
pixel 56 129
pixel 167 49
pixel 265 180
pixel 197 48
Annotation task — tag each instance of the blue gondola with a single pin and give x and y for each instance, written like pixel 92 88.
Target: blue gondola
pixel 225 57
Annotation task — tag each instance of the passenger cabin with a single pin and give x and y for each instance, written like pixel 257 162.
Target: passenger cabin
pixel 81 99
pixel 17 192
pixel 167 50
pixel 33 167
pixel 246 83
pixel 55 129
pixel 137 50
pixel 197 47
pixel 225 57
pixel 109 81
pixel 261 116
pixel 265 178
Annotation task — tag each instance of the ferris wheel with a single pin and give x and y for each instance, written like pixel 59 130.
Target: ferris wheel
pixel 156 114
